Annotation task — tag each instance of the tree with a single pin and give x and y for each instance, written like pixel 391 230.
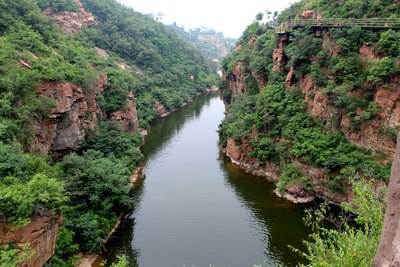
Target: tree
pixel 259 16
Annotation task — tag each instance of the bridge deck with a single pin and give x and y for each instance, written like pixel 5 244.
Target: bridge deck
pixel 368 23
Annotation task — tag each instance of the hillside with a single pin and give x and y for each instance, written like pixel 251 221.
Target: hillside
pixel 324 100
pixel 79 81
pixel 315 109
pixel 213 45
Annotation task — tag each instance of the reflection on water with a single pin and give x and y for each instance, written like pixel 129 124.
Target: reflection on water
pixel 195 208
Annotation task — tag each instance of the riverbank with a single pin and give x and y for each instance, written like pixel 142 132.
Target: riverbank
pixel 240 156
pixel 93 259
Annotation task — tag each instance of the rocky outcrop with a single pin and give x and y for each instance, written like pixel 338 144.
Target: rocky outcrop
pixel 70 22
pixel 279 59
pixel 64 129
pixel 161 110
pixel 40 234
pixel 371 135
pixel 278 55
pixel 372 132
pixel 235 80
pixel 127 118
pixel 240 155
pixel 388 253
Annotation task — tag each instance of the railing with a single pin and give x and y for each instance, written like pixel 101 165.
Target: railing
pixel 372 23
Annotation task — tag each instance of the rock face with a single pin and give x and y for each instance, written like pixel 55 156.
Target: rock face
pixel 40 234
pixel 236 80
pixel 70 22
pixel 161 110
pixel 74 113
pixel 369 135
pixel 388 253
pixel 64 129
pixel 240 155
pixel 127 118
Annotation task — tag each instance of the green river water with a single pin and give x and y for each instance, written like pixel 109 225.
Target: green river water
pixel 195 208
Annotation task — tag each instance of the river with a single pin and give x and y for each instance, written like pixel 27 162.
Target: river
pixel 196 209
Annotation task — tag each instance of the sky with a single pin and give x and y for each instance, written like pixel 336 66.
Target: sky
pixel 229 16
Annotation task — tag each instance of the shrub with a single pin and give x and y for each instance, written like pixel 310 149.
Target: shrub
pixel 292 175
pixel 380 70
pixel 347 246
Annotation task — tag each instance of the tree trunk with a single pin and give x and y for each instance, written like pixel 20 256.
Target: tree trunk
pixel 388 253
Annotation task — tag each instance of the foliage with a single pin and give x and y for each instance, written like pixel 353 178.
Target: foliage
pixel 389 43
pixel 302 46
pixel 122 262
pixel 27 183
pixel 58 5
pixel 98 189
pixel 212 45
pixel 120 83
pixel 348 245
pixel 291 175
pixel 11 256
pixel 97 183
pixel 381 70
pixel 162 59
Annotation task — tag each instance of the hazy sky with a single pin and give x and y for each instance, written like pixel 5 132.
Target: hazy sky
pixel 228 16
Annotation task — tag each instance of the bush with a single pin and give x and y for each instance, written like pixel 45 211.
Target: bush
pixel 389 43
pixel 291 175
pixel 380 70
pixel 347 246
pixel 26 186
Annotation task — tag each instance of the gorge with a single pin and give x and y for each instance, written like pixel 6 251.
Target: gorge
pixel 312 107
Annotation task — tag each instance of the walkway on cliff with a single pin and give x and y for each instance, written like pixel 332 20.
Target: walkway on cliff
pixel 366 23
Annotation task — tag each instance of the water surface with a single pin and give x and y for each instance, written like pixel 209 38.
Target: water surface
pixel 195 208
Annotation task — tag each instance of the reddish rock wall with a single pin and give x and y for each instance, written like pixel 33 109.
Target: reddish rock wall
pixel 74 113
pixel 127 118
pixel 64 129
pixel 236 80
pixel 40 234
pixel 240 155
pixel 70 22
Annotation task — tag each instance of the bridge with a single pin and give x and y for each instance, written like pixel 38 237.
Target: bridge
pixel 366 23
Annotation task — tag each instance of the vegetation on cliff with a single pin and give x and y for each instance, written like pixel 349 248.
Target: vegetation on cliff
pixel 163 63
pixel 310 101
pixel 274 113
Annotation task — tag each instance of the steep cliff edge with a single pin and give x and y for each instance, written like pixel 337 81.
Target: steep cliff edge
pixel 74 114
pixel 388 253
pixel 327 108
pixel 41 234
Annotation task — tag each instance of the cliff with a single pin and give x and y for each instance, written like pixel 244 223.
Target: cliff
pixel 75 112
pixel 312 98
pixel 70 22
pixel 388 253
pixel 40 234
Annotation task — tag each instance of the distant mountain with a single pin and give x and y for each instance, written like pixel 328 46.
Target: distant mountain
pixel 214 46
